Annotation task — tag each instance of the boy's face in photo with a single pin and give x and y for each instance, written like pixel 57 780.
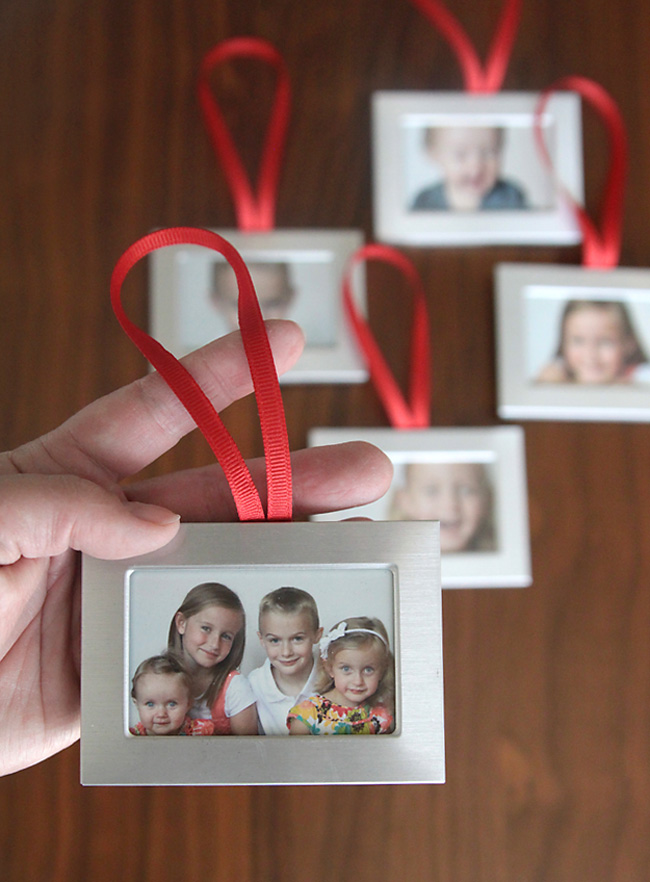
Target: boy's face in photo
pixel 162 701
pixel 470 159
pixel 272 286
pixel 452 493
pixel 594 346
pixel 288 640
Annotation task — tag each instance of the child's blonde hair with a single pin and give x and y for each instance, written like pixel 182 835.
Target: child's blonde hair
pixel 289 601
pixel 162 664
pixel 360 632
pixel 201 597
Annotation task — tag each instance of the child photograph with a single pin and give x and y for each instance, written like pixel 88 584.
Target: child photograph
pixel 297 275
pixel 244 660
pixel 465 169
pixel 595 340
pixel 572 342
pixel 458 494
pixel 471 481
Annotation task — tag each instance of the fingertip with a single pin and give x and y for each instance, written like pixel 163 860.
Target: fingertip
pixel 287 341
pixel 153 514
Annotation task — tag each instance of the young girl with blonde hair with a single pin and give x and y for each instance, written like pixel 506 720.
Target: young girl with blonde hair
pixel 355 689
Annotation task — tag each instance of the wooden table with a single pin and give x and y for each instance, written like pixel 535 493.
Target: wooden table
pixel 548 688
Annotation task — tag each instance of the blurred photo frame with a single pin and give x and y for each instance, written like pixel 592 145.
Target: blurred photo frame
pixel 392 570
pixel 297 275
pixel 473 480
pixel 461 169
pixel 573 343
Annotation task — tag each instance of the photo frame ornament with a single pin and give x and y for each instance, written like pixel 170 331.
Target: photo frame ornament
pixel 502 559
pixel 298 272
pixel 456 168
pixel 405 554
pixel 530 302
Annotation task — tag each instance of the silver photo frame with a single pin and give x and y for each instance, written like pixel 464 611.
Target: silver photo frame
pixel 473 480
pixel 460 169
pixel 349 567
pixel 297 275
pixel 573 343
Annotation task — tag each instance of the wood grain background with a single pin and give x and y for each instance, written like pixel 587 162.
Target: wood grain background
pixel 547 689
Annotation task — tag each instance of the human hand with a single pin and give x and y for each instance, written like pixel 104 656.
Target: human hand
pixel 61 494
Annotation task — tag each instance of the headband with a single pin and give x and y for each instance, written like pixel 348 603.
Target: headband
pixel 340 631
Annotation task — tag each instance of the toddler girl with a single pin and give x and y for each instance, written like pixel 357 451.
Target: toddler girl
pixel 207 633
pixel 598 345
pixel 162 692
pixel 356 684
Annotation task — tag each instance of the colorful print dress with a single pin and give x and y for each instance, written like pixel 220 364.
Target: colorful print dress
pixel 324 717
pixel 189 727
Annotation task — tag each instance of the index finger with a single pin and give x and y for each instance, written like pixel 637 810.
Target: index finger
pixel 118 435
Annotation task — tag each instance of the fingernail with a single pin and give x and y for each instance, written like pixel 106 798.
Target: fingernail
pixel 153 514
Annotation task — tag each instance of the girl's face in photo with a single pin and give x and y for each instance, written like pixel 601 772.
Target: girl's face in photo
pixel 452 493
pixel 162 701
pixel 289 642
pixel 356 673
pixel 594 346
pixel 208 635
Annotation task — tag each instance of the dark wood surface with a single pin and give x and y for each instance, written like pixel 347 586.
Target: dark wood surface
pixel 547 689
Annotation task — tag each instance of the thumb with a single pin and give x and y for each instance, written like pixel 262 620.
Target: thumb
pixel 45 515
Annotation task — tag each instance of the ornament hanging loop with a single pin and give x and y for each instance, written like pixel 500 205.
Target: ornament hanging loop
pixel 403 414
pixel 601 247
pixel 254 206
pixel 478 78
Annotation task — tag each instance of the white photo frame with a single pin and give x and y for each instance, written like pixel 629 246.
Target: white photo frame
pixel 297 274
pixel 537 377
pixel 488 545
pixel 390 567
pixel 412 190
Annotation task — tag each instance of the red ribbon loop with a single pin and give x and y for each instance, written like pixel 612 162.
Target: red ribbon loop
pixel 255 211
pixel 601 249
pixel 477 78
pixel 402 415
pixel 196 402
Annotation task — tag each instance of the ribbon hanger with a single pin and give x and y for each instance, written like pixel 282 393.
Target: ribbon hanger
pixel 262 368
pixel 601 248
pixel 254 208
pixel 478 78
pixel 414 413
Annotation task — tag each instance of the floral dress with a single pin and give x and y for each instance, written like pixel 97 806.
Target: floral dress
pixel 324 717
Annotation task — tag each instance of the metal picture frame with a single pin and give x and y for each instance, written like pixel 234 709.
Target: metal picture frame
pixel 394 564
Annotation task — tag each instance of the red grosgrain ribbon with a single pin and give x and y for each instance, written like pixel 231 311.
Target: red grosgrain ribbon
pixel 477 78
pixel 402 415
pixel 255 211
pixel 263 372
pixel 601 249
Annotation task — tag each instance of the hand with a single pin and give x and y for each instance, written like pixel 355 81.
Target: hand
pixel 61 494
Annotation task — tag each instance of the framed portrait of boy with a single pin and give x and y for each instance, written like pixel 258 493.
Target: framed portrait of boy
pixel 464 169
pixel 297 275
pixel 472 481
pixel 573 343
pixel 220 605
